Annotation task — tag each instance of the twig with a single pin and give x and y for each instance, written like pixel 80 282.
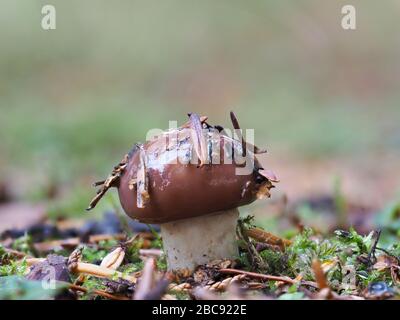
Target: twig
pixel 256 259
pixel 103 237
pixel 150 252
pixel 261 246
pixel 22 255
pixel 101 272
pixel 258 275
pixel 15 253
pixel 142 192
pixel 198 139
pixel 32 261
pixel 371 254
pixel 319 275
pixel 266 237
pixel 95 291
pixel 111 181
pixel 236 126
pixel 75 266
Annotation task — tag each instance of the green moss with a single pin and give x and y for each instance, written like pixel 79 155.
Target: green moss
pixel 14 268
pixel 131 267
pixel 93 254
pixel 92 283
pixel 276 261
pixel 24 244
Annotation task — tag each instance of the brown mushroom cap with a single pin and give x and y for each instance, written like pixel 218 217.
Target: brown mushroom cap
pixel 179 191
pixel 159 182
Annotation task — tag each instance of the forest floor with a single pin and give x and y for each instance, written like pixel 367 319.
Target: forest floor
pixel 312 241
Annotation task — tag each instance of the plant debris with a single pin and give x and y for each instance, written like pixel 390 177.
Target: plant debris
pixel 343 265
pixel 53 265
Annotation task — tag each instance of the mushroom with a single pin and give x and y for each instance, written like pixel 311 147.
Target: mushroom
pixel 191 180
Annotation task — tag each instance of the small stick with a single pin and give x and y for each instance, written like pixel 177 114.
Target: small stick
pixel 258 275
pixel 236 126
pixel 319 275
pixel 261 246
pixel 111 181
pixel 101 237
pixel 256 261
pixel 95 291
pixel 21 255
pixel 371 254
pixel 90 269
pixel 98 183
pixel 266 237
pixel 142 194
pixel 101 272
pixel 198 139
pixel 49 245
pixel 32 261
pixel 15 253
pixel 256 149
pixel 150 252
pixel 245 145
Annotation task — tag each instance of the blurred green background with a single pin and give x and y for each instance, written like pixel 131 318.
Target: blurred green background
pixel 75 99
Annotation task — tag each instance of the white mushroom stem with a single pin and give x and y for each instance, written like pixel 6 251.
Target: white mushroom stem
pixel 195 241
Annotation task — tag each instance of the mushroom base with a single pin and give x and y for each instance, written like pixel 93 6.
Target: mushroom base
pixel 195 241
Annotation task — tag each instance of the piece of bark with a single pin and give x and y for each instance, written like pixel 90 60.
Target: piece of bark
pixel 53 268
